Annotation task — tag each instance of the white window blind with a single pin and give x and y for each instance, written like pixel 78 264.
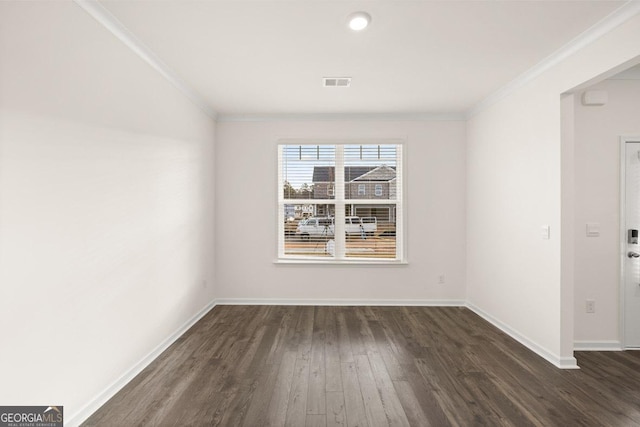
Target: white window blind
pixel 340 202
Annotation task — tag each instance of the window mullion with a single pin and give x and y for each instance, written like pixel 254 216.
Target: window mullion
pixel 280 187
pixel 400 242
pixel 339 234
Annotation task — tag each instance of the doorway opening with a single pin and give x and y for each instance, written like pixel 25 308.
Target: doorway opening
pixel 629 247
pixel 601 111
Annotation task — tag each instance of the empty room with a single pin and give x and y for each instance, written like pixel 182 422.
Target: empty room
pixel 319 213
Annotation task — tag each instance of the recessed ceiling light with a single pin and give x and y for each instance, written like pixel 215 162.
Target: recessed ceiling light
pixel 358 21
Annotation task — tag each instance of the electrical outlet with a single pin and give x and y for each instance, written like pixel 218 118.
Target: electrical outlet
pixel 441 279
pixel 591 306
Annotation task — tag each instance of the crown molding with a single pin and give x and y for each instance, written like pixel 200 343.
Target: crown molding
pixel 406 117
pixel 118 29
pixel 608 23
pixel 122 33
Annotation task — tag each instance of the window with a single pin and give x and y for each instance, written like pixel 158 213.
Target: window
pixel 346 223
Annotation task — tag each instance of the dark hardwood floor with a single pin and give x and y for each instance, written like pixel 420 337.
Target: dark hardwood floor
pixel 368 366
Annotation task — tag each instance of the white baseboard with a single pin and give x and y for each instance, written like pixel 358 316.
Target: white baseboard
pixel 95 403
pixel 597 345
pixel 341 302
pixel 560 362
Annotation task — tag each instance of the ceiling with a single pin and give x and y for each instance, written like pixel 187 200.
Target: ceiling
pixel 428 57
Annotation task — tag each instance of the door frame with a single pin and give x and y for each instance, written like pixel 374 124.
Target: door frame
pixel 623 235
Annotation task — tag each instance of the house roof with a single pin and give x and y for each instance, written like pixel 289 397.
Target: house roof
pixel 354 173
pixel 382 173
pixel 327 173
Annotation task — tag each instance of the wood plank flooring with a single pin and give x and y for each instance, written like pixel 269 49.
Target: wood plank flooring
pixel 368 366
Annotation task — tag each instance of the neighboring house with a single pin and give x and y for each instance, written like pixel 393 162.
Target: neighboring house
pixel 392 188
pixel 362 182
pixel 324 178
pixel 375 184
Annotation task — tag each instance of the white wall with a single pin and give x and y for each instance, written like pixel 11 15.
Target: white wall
pixel 106 189
pixel 246 224
pixel 597 177
pixel 514 187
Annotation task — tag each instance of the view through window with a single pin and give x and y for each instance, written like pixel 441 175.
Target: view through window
pixel 340 201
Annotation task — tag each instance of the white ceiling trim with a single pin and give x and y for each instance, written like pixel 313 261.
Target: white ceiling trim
pixel 418 117
pixel 616 18
pixel 117 28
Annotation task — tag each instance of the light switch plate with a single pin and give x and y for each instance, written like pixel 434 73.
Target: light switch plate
pixel 593 229
pixel 545 232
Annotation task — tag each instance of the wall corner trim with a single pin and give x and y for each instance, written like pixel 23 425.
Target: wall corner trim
pixel 94 404
pixel 557 361
pixel 625 12
pixel 122 33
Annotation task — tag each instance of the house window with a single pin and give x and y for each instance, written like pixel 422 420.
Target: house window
pixel 344 225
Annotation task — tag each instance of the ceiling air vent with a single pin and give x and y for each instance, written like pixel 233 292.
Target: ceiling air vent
pixel 336 81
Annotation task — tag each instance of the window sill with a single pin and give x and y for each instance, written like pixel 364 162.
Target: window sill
pixel 367 263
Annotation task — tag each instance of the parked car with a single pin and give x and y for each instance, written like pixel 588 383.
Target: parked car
pixel 315 227
pixel 370 224
pixel 357 226
pixel 324 227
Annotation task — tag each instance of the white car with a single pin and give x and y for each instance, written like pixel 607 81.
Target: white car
pixel 370 224
pixel 316 227
pixel 319 227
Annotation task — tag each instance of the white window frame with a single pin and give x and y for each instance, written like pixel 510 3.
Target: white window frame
pixel 340 201
pixel 378 190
